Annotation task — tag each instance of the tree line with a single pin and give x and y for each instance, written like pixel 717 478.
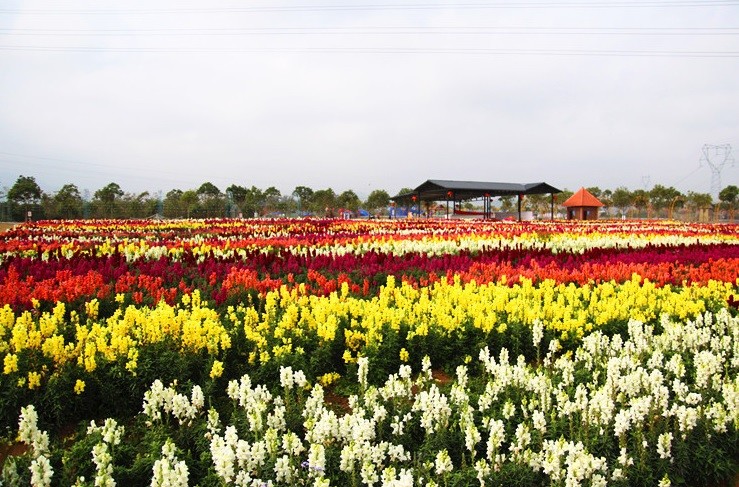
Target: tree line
pixel 25 199
pixel 207 201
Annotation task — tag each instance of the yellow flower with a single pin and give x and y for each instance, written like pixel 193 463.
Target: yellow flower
pixel 34 380
pixel 79 387
pixel 216 370
pixel 404 356
pixel 91 308
pixel 10 364
pixel 119 298
pixel 328 379
pixel 264 357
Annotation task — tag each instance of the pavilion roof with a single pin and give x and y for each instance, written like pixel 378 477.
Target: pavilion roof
pixel 442 189
pixel 582 197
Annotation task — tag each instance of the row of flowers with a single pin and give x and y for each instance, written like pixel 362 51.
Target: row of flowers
pixel 24 281
pixel 658 406
pixel 227 238
pixel 322 334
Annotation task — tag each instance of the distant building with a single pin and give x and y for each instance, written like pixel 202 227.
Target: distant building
pixel 582 206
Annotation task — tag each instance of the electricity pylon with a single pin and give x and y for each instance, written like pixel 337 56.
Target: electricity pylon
pixel 716 157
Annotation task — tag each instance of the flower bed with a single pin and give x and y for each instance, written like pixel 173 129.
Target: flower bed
pixel 616 349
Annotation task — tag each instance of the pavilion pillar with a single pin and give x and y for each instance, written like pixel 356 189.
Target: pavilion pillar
pixel 552 212
pixel 520 196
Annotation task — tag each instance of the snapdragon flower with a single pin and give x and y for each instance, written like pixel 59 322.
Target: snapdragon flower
pixel 168 470
pixel 443 463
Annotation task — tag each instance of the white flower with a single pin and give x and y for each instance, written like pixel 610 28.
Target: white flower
pixel 664 443
pixel 390 477
pixel 434 408
pixel 29 433
pixel 369 473
pixel 168 470
pixel 283 470
pixel 317 459
pixel 495 439
pixel 509 409
pixel 286 377
pixel 291 444
pixel 41 472
pixel 540 422
pixel 443 463
pixel 483 470
pixel 103 465
pixel 362 370
pixel 537 332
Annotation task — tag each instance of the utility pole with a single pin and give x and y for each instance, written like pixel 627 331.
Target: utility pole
pixel 716 157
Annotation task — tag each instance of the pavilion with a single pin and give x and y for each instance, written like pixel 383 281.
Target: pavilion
pixel 458 191
pixel 582 205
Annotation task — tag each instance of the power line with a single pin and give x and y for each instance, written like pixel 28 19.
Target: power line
pixel 510 30
pixel 381 50
pixel 420 6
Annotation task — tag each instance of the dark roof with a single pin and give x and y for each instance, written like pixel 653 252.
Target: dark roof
pixel 438 189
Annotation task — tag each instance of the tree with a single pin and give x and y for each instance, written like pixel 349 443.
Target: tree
pixel 107 197
pixel 68 202
pixel 640 200
pixel 25 192
pixel 538 203
pixel 141 205
pixel 348 200
pixel 606 197
pixel 506 203
pixel 172 204
pixel 377 200
pixel 270 199
pixel 324 201
pixel 662 197
pixel 621 199
pixel 560 198
pixel 253 202
pixel 303 192
pixel 729 196
pixel 304 195
pixel 238 194
pixel 211 199
pixel 208 190
pixel 189 200
pixel 701 203
pixel 236 198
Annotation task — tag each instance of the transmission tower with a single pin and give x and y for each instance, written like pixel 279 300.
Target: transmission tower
pixel 716 157
pixel 646 181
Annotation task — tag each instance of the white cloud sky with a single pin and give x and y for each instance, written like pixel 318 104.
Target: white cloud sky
pixel 159 95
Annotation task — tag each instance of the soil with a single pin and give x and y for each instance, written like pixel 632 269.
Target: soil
pixel 12 450
pixel 5 226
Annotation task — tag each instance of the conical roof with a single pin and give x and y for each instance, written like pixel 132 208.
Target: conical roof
pixel 582 197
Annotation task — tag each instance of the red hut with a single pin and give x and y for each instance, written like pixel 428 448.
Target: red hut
pixel 582 206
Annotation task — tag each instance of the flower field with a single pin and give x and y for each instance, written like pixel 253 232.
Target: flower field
pixel 331 352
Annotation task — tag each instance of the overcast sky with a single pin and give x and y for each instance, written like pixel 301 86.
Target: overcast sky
pixel 156 95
